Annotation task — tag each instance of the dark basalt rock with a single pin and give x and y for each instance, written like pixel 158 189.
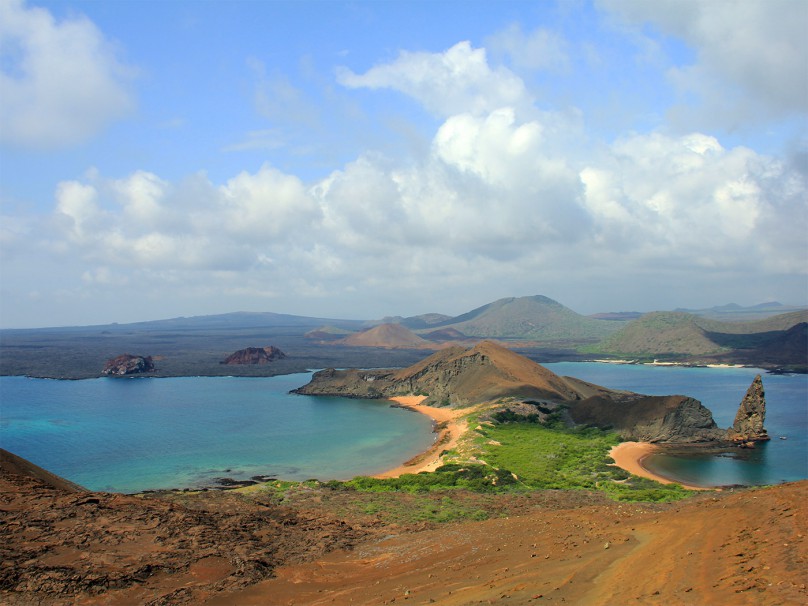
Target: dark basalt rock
pixel 748 426
pixel 127 364
pixel 254 355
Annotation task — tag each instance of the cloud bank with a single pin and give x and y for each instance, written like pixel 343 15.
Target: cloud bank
pixel 507 198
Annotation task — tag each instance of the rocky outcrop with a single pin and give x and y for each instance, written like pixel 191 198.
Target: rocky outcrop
pixel 658 419
pixel 490 373
pixel 254 355
pixel 127 364
pixel 61 546
pixel 748 426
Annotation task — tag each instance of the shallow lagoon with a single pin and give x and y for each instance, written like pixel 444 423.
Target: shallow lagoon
pixel 134 434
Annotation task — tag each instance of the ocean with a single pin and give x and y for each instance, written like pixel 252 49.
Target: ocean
pixel 128 435
pixel 133 434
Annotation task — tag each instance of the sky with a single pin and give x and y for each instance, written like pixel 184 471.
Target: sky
pixel 367 159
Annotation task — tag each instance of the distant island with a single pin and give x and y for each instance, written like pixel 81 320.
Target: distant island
pixel 771 336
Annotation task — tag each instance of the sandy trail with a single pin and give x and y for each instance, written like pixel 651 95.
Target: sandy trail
pixel 450 427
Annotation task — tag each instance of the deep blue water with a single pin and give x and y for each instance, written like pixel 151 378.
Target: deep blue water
pixel 127 435
pixel 134 434
pixel 721 390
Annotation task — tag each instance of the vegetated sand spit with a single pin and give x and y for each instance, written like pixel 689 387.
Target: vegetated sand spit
pixel 746 547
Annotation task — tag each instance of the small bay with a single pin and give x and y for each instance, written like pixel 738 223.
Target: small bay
pixel 133 434
pixel 721 390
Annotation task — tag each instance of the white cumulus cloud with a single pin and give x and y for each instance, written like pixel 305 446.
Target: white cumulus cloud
pixel 60 82
pixel 455 81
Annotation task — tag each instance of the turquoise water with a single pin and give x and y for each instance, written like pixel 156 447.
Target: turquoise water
pixel 127 435
pixel 721 390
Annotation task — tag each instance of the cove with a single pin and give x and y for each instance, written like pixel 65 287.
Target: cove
pixel 721 390
pixel 134 434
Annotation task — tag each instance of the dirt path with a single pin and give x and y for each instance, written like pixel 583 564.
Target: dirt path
pixel 746 547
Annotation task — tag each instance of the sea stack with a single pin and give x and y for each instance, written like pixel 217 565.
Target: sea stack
pixel 748 426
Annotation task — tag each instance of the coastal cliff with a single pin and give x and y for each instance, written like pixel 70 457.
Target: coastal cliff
pixel 490 373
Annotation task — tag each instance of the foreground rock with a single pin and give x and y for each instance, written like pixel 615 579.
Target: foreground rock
pixel 62 546
pixel 254 355
pixel 127 364
pixel 748 426
pixel 572 547
pixel 489 373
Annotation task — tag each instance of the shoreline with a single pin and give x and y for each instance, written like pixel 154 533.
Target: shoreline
pixel 630 457
pixel 446 425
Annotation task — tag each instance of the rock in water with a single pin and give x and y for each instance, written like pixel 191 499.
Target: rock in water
pixel 127 364
pixel 748 426
pixel 254 355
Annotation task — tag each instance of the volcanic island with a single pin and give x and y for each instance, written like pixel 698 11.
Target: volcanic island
pixel 453 526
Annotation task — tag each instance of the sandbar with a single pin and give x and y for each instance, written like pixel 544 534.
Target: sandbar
pixel 448 426
pixel 630 456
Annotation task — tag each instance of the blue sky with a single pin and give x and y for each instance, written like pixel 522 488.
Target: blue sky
pixel 363 159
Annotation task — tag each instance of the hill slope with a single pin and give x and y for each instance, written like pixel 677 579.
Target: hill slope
pixel 537 318
pixel 489 374
pixel 390 336
pixel 685 334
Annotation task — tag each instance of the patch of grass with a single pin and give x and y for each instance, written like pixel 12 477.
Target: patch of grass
pixel 476 477
pixel 557 458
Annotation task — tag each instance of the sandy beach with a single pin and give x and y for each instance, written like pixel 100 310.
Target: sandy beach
pixel 449 428
pixel 630 456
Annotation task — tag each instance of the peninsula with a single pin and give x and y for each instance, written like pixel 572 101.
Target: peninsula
pixel 494 383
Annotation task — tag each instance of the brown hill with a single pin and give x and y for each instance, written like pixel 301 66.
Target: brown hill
pixel 489 372
pixel 388 336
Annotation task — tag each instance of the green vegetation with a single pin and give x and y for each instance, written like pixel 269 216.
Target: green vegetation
pixel 670 334
pixel 476 477
pixel 559 458
pixel 532 318
pixel 510 457
pixel 403 507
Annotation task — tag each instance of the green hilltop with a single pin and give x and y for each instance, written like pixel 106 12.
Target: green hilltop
pixel 530 318
pixel 775 340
